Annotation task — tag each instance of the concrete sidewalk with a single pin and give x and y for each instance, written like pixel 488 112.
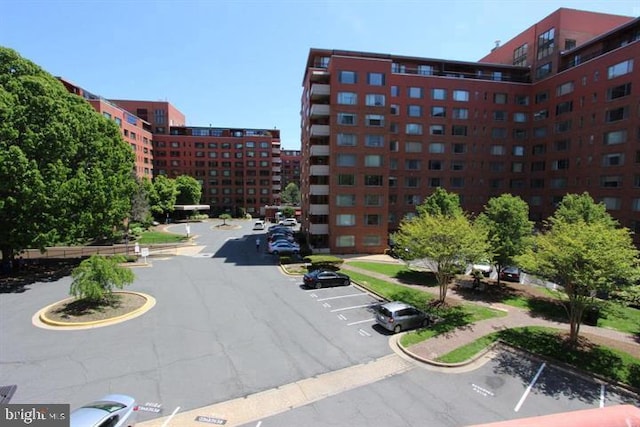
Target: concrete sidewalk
pixel 433 348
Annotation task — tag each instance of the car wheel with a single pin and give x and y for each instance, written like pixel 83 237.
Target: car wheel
pixel 318 285
pixel 347 282
pixel 397 329
pixel 425 323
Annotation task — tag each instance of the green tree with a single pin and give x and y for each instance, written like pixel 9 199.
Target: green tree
pixel 65 171
pixel 163 198
pixel 96 277
pixel 289 212
pixel 224 218
pixel 291 194
pixel 441 202
pixel 506 219
pixel 584 252
pixel 140 201
pixel 189 190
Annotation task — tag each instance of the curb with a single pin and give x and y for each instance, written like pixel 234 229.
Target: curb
pixel 481 354
pixel 148 305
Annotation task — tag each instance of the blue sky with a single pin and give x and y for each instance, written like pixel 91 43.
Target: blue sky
pixel 240 63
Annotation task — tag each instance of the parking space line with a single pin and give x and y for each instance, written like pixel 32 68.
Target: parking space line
pixel 342 317
pixel 344 296
pixel 168 420
pixel 364 333
pixel 602 395
pixel 349 308
pixel 526 392
pixel 326 305
pixel 362 321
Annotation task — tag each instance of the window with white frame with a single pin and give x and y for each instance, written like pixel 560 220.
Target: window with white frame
pixel 438 94
pixel 346 241
pixel 347 77
pixel 375 100
pixel 460 113
pixel 520 117
pixel 345 219
pixel 348 119
pixel 620 69
pixel 375 120
pixel 413 129
pixel 565 88
pixel 372 200
pixel 344 159
pixel 461 95
pixel 436 147
pixel 347 98
pixel 413 147
pixel 374 140
pixel 373 160
pixel 414 110
pixel 375 79
pixel 414 92
pixel 613 159
pixel 615 137
pixel 498 150
pixel 347 139
pixel 371 240
pixel 436 130
pixel 345 200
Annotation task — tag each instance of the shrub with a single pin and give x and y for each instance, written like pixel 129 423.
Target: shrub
pixel 328 262
pixel 95 278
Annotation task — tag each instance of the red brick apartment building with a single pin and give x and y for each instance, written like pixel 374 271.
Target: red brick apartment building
pixel 555 110
pixel 135 131
pixel 290 167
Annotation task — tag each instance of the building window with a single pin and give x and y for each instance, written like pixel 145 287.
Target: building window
pixel 517 167
pixel 461 95
pixel 540 132
pixel 372 219
pixel 519 134
pixel 620 69
pixel 438 94
pixel 435 165
pixel 345 241
pixel 375 79
pixel 346 179
pixel 614 181
pixel 459 130
pixel 348 77
pixel 345 200
pixel 413 147
pixel 414 111
pixel 457 182
pixel 347 98
pixel 518 150
pixel 498 133
pixel 394 146
pixel 619 91
pixel 345 219
pixel 436 148
pixel 347 139
pixel 373 160
pixel 496 166
pixel 375 120
pixel 541 115
pixel 457 165
pixel 498 150
pixel 521 99
pixel 546 43
pixel 616 114
pixel 558 183
pixel 565 88
pixel 542 97
pixel 371 240
pixel 459 148
pixel 499 116
pixel 520 117
pixel 412 199
pixel 560 164
pixel 611 203
pixel 563 126
pixel 412 182
pixel 438 112
pixel 435 182
pixel 413 129
pixel 460 113
pixel 424 70
pixel 374 140
pixel 346 160
pixel 395 91
pixel 398 68
pixel 499 98
pixel 375 100
pixel 615 137
pixel 372 200
pixel 564 107
pixel 614 159
pixel 348 119
pixel 520 55
pixel 562 145
pixel 412 164
pixel 373 180
pixel 414 92
pixel 543 70
pixel 436 130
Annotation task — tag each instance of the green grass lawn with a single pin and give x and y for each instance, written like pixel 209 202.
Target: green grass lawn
pixel 155 237
pixel 398 271
pixel 548 342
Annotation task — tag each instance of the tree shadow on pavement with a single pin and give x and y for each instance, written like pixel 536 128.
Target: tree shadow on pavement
pixel 40 271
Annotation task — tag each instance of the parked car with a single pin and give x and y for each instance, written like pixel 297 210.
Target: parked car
pixel 113 410
pixel 280 229
pixel 289 222
pixel 483 266
pixel 281 236
pixel 258 225
pixel 281 247
pixel 510 273
pixel 398 316
pixel 320 278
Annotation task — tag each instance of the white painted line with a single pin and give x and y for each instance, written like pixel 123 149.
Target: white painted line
pixel 349 308
pixel 259 424
pixel 602 395
pixel 364 333
pixel 313 295
pixel 361 321
pixel 341 317
pixel 168 420
pixel 326 305
pixel 483 391
pixel 526 392
pixel 359 294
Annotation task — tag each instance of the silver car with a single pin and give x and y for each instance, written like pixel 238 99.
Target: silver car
pixel 113 410
pixel 398 316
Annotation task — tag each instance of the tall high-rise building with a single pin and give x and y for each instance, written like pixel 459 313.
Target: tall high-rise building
pixel 555 110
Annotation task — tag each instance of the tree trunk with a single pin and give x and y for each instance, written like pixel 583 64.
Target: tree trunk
pixel 576 309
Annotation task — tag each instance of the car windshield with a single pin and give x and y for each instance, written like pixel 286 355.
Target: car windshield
pixel 106 406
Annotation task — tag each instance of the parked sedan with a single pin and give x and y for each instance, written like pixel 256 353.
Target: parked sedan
pixel 398 316
pixel 282 247
pixel 289 222
pixel 483 267
pixel 511 273
pixel 320 278
pixel 113 410
pixel 281 236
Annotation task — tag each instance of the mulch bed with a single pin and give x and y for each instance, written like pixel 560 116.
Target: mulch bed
pixel 81 311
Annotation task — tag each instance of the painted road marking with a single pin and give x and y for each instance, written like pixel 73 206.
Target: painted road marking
pixel 168 420
pixel 326 305
pixel 482 391
pixel 341 317
pixel 364 333
pixel 602 395
pixel 344 296
pixel 373 319
pixel 314 295
pixel 349 308
pixel 526 392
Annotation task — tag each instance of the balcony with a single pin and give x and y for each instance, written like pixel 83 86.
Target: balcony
pixel 319 210
pixel 319 76
pixel 276 168
pixel 319 91
pixel 319 229
pixel 276 178
pixel 319 150
pixel 319 170
pixel 320 110
pixel 276 187
pixel 320 130
pixel 275 150
pixel 319 190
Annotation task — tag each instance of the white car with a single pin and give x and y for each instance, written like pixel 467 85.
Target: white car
pixel 259 225
pixel 484 267
pixel 282 247
pixel 113 410
pixel 289 222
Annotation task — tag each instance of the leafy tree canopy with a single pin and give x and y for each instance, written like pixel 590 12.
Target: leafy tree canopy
pixel 65 171
pixel 291 194
pixel 582 207
pixel 164 195
pixel 96 277
pixel 441 202
pixel 189 190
